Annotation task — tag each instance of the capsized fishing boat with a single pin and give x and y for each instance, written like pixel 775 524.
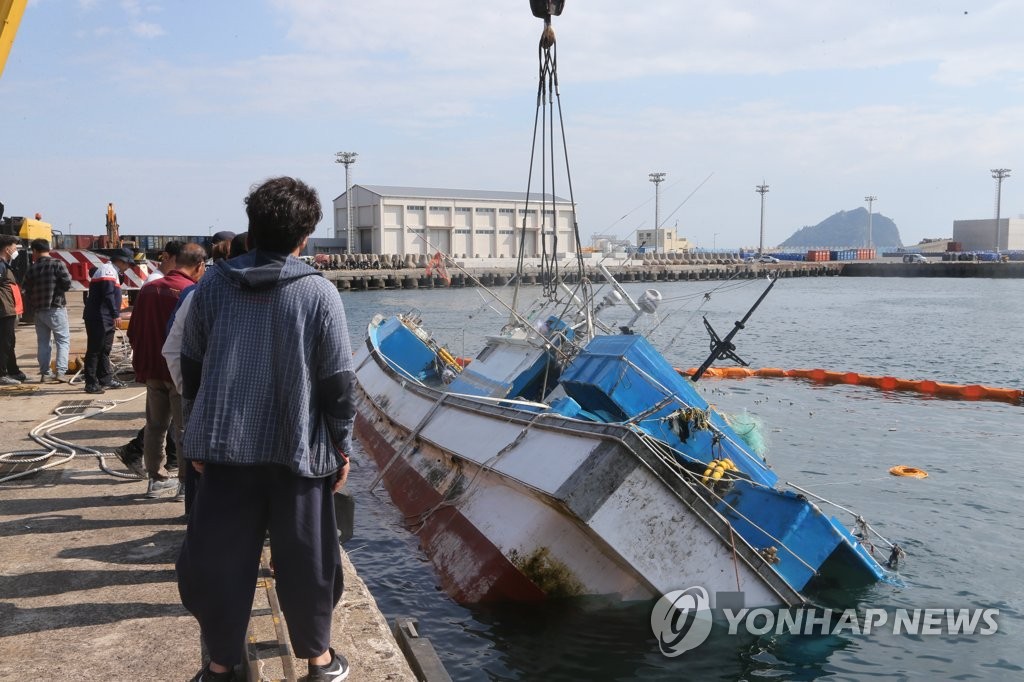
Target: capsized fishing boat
pixel 569 458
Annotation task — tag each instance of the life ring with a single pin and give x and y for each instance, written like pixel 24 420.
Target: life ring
pixel 911 472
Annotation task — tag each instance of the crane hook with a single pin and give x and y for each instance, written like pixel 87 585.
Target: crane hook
pixel 545 9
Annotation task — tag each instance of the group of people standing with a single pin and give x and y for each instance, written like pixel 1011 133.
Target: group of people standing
pixel 262 450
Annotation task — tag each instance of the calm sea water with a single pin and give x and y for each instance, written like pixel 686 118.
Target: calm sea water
pixel 963 527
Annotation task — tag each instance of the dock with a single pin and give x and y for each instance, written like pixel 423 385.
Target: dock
pixel 87 583
pixel 498 275
pixel 503 274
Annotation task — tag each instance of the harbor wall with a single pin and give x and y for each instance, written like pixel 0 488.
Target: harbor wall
pixel 1011 270
pixel 364 280
pixel 415 278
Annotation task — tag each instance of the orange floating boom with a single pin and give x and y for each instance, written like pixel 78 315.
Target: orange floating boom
pixel 926 386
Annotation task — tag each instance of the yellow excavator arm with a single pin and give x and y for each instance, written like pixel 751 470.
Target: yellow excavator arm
pixel 10 16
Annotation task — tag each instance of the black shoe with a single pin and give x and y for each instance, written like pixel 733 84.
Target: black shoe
pixel 94 388
pixel 20 376
pixel 114 384
pixel 205 675
pixel 337 669
pixel 131 460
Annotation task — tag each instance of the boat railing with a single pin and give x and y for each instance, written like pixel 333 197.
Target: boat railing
pixel 857 517
pixel 673 456
pixel 693 497
pixel 398 369
pixel 658 448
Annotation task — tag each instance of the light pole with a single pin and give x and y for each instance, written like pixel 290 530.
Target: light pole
pixel 714 242
pixel 761 189
pixel 348 158
pixel 999 174
pixel 871 199
pixel 657 179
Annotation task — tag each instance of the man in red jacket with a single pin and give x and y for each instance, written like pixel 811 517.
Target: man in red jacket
pixel 147 331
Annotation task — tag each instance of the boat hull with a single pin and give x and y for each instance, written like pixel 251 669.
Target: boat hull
pixel 513 505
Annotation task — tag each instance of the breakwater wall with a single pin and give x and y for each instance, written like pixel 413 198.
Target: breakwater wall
pixel 964 269
pixel 365 280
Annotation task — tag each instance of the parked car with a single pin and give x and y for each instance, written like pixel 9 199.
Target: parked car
pixel 915 258
pixel 765 258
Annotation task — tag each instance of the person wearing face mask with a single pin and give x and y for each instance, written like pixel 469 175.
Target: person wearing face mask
pixel 10 300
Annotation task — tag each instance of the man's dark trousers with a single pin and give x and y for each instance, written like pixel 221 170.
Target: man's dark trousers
pixel 99 339
pixel 219 561
pixel 8 357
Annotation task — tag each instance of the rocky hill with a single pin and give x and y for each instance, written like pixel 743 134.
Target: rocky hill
pixel 847 229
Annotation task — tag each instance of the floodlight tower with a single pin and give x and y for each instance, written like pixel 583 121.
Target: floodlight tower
pixel 999 174
pixel 657 179
pixel 348 158
pixel 871 199
pixel 762 190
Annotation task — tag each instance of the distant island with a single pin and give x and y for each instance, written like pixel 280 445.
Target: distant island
pixel 847 229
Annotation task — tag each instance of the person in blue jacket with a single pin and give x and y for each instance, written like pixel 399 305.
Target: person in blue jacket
pixel 102 308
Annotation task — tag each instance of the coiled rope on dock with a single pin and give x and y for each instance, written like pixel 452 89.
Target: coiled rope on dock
pixel 56 451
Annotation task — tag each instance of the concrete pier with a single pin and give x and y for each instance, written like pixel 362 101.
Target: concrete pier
pixel 504 274
pixel 958 269
pixel 87 583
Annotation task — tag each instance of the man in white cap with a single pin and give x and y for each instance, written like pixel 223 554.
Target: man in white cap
pixel 102 309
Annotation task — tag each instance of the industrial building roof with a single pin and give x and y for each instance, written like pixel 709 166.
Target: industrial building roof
pixel 435 193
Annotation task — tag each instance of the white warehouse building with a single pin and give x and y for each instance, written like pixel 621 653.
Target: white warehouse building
pixel 980 235
pixel 461 222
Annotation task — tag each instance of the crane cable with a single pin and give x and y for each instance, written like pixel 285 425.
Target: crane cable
pixel 548 97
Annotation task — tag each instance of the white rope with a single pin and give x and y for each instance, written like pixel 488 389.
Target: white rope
pixel 58 451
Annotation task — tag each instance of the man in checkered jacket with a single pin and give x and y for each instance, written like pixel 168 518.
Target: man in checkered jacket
pixel 266 369
pixel 46 282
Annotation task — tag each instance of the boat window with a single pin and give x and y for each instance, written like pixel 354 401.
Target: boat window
pixel 488 349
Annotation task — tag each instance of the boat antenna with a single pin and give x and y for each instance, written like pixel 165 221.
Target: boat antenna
pixel 724 348
pixel 548 97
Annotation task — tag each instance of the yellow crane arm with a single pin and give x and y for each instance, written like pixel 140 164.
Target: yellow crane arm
pixel 10 17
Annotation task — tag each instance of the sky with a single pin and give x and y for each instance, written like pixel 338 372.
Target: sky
pixel 174 109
